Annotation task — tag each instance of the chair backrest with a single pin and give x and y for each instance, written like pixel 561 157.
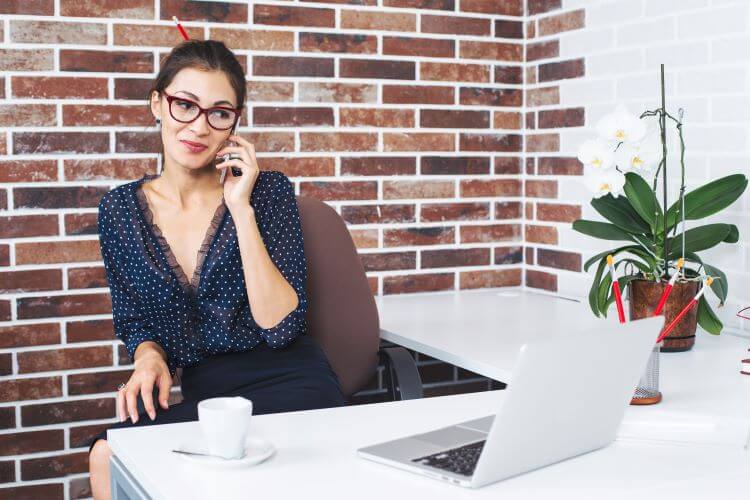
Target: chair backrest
pixel 342 314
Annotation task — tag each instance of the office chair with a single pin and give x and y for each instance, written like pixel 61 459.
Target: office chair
pixel 342 314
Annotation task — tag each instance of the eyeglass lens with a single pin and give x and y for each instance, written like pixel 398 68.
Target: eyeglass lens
pixel 186 111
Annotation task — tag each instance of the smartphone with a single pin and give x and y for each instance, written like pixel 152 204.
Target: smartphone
pixel 235 171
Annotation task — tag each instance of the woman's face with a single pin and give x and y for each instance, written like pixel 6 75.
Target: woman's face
pixel 207 88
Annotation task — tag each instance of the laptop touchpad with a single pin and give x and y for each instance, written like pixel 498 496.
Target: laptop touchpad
pixel 451 436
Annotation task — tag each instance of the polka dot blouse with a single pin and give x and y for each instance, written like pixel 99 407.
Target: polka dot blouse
pixel 191 319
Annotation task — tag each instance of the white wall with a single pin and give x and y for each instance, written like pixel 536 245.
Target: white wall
pixel 705 46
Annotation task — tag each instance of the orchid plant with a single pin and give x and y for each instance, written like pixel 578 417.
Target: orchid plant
pixel 617 164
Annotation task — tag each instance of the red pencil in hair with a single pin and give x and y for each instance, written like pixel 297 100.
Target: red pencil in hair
pixel 179 27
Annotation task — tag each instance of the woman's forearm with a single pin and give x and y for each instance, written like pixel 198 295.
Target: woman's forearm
pixel 270 296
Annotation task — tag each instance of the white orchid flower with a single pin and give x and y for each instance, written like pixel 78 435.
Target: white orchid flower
pixel 597 154
pixel 621 126
pixel 639 157
pixel 602 182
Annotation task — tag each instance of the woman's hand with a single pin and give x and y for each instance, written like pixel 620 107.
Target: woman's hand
pixel 237 190
pixel 150 370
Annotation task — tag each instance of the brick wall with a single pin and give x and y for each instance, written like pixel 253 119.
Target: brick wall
pixel 443 131
pixel 404 115
pixel 547 213
pixel 584 58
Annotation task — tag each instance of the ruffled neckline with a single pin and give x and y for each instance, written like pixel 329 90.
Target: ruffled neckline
pixel 190 285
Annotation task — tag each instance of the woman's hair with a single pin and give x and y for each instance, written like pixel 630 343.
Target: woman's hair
pixel 208 55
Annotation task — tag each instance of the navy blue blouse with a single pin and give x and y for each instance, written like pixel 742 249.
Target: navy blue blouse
pixel 152 299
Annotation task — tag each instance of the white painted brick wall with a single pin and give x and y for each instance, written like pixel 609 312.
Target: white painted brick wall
pixel 704 45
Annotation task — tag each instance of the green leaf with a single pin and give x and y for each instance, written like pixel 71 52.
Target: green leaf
pixel 642 199
pixel 708 199
pixel 707 319
pixel 733 236
pixel 621 213
pixel 601 230
pixel 699 238
pixel 593 300
pixel 719 285
pixel 645 242
pixel 638 264
pixel 603 292
pixel 605 253
pixel 647 257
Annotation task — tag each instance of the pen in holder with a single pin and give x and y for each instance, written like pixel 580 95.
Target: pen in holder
pixel 647 391
pixel 745 363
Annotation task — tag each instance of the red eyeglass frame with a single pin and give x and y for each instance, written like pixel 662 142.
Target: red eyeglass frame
pixel 201 110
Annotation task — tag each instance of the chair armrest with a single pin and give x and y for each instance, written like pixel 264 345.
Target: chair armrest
pixel 400 369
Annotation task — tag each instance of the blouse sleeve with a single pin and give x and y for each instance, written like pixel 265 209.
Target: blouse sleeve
pixel 129 324
pixel 285 247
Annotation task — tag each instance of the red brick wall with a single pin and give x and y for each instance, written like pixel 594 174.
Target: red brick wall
pixel 544 118
pixel 404 115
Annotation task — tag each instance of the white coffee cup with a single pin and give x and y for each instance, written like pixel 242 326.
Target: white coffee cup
pixel 225 422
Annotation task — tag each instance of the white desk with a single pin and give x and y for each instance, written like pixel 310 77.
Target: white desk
pixel 483 330
pixel 687 447
pixel 480 330
pixel 704 395
pixel 316 459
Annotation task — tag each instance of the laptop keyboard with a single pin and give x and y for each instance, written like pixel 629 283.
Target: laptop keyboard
pixel 462 460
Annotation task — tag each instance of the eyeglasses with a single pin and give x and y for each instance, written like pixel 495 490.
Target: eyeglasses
pixel 187 111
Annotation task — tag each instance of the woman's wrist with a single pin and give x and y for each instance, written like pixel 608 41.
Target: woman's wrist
pixel 242 211
pixel 149 348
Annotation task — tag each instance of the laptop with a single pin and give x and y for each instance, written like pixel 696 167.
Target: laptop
pixel 567 397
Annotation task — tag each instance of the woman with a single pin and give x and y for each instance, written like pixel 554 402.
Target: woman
pixel 207 271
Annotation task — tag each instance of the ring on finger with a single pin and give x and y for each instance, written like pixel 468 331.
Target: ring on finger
pixel 121 387
pixel 230 156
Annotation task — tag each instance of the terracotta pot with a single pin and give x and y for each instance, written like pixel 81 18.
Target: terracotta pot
pixel 645 295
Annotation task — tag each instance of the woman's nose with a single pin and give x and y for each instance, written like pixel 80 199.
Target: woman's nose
pixel 200 125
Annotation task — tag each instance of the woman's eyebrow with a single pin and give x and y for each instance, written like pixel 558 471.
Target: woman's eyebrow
pixel 198 98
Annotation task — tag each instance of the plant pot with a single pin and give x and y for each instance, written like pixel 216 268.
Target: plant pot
pixel 644 297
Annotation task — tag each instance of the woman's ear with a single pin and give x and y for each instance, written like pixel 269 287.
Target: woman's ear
pixel 155 104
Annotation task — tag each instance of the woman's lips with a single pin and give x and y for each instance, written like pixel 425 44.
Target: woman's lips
pixel 194 148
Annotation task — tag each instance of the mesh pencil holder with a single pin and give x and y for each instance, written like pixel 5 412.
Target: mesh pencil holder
pixel 647 391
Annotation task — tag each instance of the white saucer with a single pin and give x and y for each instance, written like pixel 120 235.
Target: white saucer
pixel 257 449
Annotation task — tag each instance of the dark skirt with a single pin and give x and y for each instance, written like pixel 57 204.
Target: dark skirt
pixel 296 377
